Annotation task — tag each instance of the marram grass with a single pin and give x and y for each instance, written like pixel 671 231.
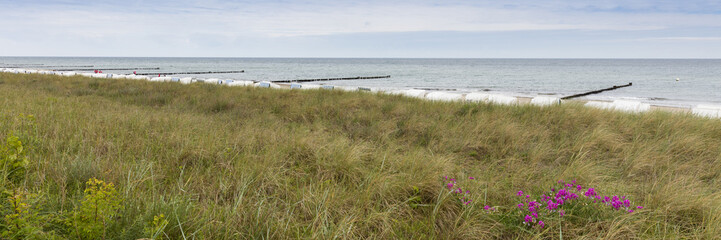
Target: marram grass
pixel 214 162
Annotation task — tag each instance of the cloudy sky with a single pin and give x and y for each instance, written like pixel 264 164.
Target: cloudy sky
pixel 371 28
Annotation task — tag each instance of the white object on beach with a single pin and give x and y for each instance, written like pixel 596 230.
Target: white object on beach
pixel 329 87
pixel 599 104
pixel 709 111
pixel 502 99
pixel 221 81
pixel 444 96
pixel 368 89
pixel 68 74
pixel 631 106
pixel 100 75
pixel 211 80
pixel 141 77
pixel 311 86
pixel 240 83
pixel 346 88
pixel 187 80
pixel 118 76
pixel 161 79
pixel 477 97
pixel 266 85
pixel 545 101
pixel 621 105
pixel 295 86
pixel 491 98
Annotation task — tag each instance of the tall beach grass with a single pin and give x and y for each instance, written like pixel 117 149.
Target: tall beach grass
pixel 240 162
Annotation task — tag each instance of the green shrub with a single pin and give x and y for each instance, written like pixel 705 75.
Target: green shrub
pixel 155 229
pixel 96 211
pixel 20 220
pixel 12 158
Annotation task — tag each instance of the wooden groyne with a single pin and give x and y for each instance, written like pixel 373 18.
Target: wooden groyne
pixel 330 79
pixel 597 91
pixel 105 69
pixel 41 66
pixel 178 73
pixel 24 64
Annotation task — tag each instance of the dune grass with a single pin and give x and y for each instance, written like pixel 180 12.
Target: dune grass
pixel 239 162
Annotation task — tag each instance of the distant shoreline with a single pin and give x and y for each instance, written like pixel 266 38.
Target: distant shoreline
pixel 654 79
pixel 627 106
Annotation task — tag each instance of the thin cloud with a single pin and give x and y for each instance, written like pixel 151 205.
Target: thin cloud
pixel 681 39
pixel 46 26
pixel 287 20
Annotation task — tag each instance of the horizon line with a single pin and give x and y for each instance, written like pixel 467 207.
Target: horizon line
pixel 296 57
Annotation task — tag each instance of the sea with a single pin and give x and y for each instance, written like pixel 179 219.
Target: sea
pixel 663 82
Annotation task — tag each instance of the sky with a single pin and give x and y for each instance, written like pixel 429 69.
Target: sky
pixel 363 29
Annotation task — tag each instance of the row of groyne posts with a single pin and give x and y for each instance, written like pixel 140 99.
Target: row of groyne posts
pixel 704 110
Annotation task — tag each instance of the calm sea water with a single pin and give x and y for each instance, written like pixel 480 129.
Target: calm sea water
pixel 654 80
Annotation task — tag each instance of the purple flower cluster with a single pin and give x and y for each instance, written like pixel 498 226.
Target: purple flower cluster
pixel 615 202
pixel 554 201
pixel 455 188
pixel 532 207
